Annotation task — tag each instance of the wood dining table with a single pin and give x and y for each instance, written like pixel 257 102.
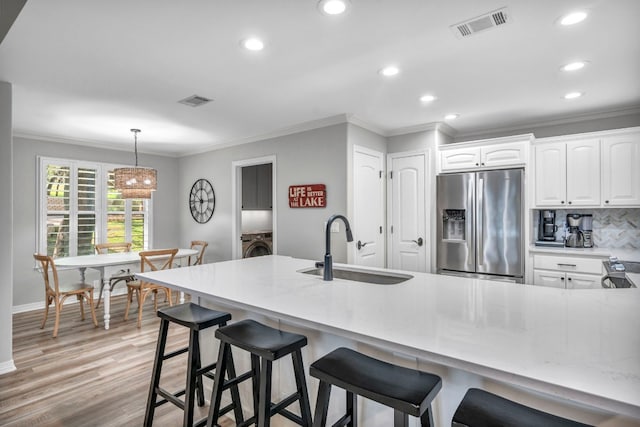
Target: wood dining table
pixel 100 262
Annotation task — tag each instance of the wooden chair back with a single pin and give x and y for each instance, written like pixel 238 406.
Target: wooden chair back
pixel 200 245
pixel 49 272
pixel 159 259
pixel 107 248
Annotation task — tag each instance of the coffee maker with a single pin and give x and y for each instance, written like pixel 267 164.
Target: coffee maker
pixel 575 238
pixel 547 225
pixel 587 229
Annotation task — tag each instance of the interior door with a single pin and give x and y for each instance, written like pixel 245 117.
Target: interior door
pixel 368 224
pixel 407 222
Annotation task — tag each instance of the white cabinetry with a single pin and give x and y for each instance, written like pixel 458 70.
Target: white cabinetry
pixel 567 272
pixel 598 169
pixel 621 170
pixel 486 154
pixel 568 173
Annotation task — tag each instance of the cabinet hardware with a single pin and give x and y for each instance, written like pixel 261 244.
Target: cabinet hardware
pixel 477 164
pixel 562 278
pixel 606 201
pixel 562 202
pixel 566 265
pixel 483 164
pixel 569 202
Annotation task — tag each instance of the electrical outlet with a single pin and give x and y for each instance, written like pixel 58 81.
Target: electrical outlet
pixel 335 227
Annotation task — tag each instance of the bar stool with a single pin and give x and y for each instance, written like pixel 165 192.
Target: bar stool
pixel 265 344
pixel 480 408
pixel 407 391
pixel 196 318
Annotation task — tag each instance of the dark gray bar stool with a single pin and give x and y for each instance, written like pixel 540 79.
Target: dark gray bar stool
pixel 266 345
pixel 480 408
pixel 196 318
pixel 407 391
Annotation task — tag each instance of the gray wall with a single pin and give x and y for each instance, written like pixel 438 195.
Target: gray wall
pixel 316 156
pixel 28 287
pixel 6 230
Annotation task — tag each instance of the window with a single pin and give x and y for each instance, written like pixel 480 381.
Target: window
pixel 81 207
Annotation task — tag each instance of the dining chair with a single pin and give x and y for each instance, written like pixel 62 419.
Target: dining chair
pixel 57 293
pixel 200 245
pixel 120 275
pixel 154 260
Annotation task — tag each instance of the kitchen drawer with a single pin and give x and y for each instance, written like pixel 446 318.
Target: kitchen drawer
pixel 568 264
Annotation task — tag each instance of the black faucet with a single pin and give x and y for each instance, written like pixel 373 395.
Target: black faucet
pixel 328 261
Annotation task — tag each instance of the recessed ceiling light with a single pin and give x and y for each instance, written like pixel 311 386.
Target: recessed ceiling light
pixel 573 66
pixel 573 18
pixel 451 116
pixel 333 7
pixel 253 43
pixel 428 98
pixel 573 95
pixel 389 71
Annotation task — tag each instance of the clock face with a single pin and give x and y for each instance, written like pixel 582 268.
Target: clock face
pixel 202 201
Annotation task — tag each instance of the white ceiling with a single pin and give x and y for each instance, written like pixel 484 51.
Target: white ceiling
pixel 89 70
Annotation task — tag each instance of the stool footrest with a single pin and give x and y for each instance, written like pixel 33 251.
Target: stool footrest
pixel 345 420
pixel 175 353
pixel 206 369
pixel 170 397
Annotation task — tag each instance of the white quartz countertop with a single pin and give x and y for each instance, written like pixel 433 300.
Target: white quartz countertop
pixel 581 345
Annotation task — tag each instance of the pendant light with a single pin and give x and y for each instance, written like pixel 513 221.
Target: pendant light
pixel 135 182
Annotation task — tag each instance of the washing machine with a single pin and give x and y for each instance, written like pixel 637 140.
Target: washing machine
pixel 257 244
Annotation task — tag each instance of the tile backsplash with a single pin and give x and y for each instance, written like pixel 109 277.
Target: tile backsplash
pixel 612 228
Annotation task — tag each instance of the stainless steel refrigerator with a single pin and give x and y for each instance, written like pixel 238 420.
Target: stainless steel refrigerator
pixel 480 224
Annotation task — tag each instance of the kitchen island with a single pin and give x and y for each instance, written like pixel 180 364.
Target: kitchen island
pixel 574 353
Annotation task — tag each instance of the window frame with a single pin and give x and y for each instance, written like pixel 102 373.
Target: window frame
pixel 101 204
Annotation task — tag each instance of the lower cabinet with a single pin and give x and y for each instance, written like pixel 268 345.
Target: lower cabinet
pixel 567 272
pixel 556 279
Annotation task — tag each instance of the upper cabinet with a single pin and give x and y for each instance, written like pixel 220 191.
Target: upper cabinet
pixel 621 170
pixel 486 154
pixel 588 170
pixel 568 173
pixel 257 187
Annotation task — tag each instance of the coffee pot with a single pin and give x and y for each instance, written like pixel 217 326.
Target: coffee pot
pixel 575 238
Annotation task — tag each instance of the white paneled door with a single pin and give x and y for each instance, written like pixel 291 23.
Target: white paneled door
pixel 368 194
pixel 407 220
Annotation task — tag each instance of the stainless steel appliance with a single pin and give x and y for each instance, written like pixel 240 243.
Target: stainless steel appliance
pixel 587 230
pixel 257 244
pixel 575 238
pixel 480 224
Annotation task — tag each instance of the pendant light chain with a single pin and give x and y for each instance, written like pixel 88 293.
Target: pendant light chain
pixel 135 144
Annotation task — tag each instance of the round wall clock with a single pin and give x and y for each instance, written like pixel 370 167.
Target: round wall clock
pixel 202 200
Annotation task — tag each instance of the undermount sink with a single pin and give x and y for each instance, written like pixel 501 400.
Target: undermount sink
pixel 365 276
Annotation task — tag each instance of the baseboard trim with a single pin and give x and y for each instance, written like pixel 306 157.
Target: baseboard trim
pixel 6 367
pixel 40 304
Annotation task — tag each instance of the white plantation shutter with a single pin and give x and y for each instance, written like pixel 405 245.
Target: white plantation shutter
pixel 80 207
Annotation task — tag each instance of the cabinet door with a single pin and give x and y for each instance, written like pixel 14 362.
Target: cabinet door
pixel 583 173
pixel 550 174
pixel 583 281
pixel 552 279
pixel 264 187
pixel 498 155
pixel 620 171
pixel 460 159
pixel 249 187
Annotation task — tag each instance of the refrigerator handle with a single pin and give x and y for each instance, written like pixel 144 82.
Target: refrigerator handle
pixel 480 221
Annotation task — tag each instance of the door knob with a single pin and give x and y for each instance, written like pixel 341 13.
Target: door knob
pixel 419 242
pixel 360 245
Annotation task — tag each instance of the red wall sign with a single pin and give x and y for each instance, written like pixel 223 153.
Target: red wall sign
pixel 308 196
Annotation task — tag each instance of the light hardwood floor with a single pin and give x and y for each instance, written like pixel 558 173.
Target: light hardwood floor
pixel 88 376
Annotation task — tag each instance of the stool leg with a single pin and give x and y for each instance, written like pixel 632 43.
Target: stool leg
pixel 199 384
pixel 218 385
pixel 400 419
pixel 235 394
pixel 301 383
pixel 255 383
pixel 155 376
pixel 264 404
pixel 426 419
pixel 322 405
pixel 352 409
pixel 192 374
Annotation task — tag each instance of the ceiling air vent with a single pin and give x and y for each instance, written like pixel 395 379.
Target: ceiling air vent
pixel 195 101
pixel 481 23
